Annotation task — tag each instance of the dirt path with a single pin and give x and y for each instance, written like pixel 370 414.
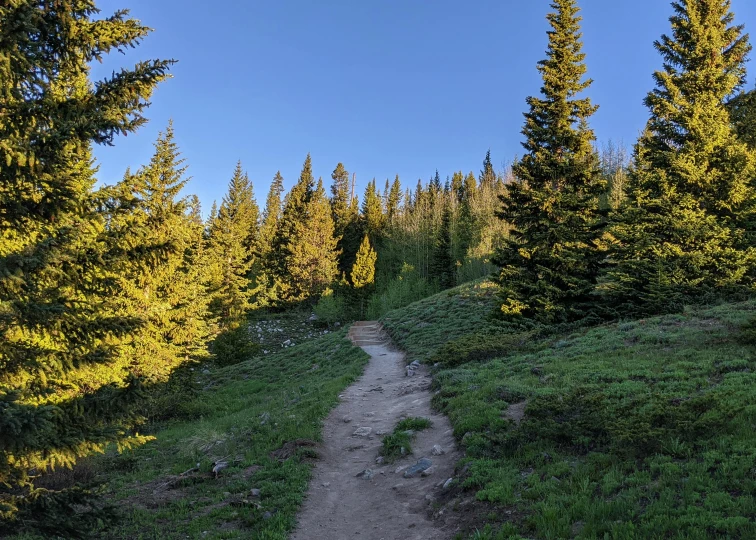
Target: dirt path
pixel 346 501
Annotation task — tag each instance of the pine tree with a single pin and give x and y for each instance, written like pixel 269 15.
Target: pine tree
pixel 363 271
pixel 231 249
pixel 265 291
pixel 551 261
pixel 683 231
pixel 345 218
pixel 443 262
pixel 161 279
pixel 313 264
pixel 393 200
pixel 372 213
pixel 59 322
pixel 488 175
pixel 742 109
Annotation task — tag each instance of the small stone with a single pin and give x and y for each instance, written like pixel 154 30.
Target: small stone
pixel 219 466
pixel 410 371
pixel 400 469
pixel 437 450
pixel 402 450
pixel 422 465
pixel 264 418
pixel 326 484
pixel 267 515
pixel 448 483
pixel 363 432
pixel 346 419
pixel 367 474
pixel 380 460
pixel 255 493
pixel 206 371
pixel 381 432
pixel 427 472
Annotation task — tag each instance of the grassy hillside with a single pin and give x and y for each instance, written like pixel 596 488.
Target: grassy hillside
pixel 258 417
pixel 643 429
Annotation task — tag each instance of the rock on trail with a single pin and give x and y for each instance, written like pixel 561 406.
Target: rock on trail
pixel 353 495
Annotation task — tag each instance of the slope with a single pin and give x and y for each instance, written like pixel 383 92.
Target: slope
pixel 641 429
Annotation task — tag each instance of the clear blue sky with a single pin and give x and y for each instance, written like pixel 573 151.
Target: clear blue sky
pixel 386 86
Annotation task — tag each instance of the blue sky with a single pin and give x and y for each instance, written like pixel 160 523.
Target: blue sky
pixel 386 86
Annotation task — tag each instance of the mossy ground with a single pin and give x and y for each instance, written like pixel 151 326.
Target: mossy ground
pixel 641 429
pixel 258 416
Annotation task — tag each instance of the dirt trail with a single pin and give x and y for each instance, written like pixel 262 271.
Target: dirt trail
pixel 344 502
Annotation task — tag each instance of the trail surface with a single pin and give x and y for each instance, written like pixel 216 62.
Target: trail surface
pixel 350 496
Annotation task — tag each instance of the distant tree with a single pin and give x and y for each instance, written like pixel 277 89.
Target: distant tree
pixel 444 268
pixel 393 200
pixel 265 290
pixel 552 258
pixel 63 391
pixel 313 265
pixel 488 174
pixel 684 231
pixel 362 276
pixel 372 212
pixel 231 249
pixel 346 218
pixel 742 108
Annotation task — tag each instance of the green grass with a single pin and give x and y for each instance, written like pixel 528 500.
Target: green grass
pixel 399 442
pixel 245 412
pixel 640 429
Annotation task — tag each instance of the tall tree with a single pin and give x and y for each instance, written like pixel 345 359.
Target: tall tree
pixel 313 264
pixel 393 200
pixel 551 261
pixel 444 268
pixel 58 320
pixel 162 278
pixel 690 200
pixel 488 174
pixel 372 212
pixel 231 249
pixel 362 276
pixel 345 218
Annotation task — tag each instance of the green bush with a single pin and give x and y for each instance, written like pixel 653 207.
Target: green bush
pixel 234 345
pixel 480 346
pixel 408 287
pixel 330 309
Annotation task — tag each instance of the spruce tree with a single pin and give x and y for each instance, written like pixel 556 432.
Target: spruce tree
pixel 444 269
pixel 362 276
pixel 551 260
pixel 313 264
pixel 683 232
pixel 372 213
pixel 293 220
pixel 231 250
pixel 161 277
pixel 59 322
pixel 487 174
pixel 394 200
pixel 345 218
pixel 265 291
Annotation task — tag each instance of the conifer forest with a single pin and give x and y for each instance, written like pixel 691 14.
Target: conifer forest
pixel 134 323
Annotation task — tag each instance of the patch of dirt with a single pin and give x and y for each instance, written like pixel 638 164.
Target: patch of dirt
pixel 350 494
pixel 516 412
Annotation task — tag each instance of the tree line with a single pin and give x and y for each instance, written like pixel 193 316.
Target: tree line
pixel 107 293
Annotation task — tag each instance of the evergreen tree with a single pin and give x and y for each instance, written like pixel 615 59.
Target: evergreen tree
pixel 363 271
pixel 742 109
pixel 313 264
pixel 551 261
pixel 161 278
pixel 345 218
pixel 488 175
pixel 363 275
pixel 59 322
pixel 270 218
pixel 443 262
pixel 394 200
pixel 293 220
pixel 231 246
pixel 372 212
pixel 683 231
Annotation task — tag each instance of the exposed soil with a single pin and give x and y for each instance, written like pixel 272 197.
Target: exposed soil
pixel 350 496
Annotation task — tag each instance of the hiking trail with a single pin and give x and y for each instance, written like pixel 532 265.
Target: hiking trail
pixel 352 496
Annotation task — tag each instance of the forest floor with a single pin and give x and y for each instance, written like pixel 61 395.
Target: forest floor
pixel 356 492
